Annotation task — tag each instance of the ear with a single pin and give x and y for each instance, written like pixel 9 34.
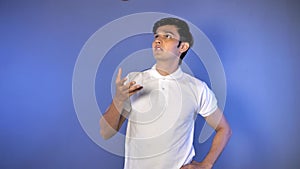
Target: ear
pixel 184 46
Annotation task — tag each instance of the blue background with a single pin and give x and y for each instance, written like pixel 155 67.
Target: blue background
pixel 257 41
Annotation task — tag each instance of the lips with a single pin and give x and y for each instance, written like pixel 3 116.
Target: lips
pixel 158 48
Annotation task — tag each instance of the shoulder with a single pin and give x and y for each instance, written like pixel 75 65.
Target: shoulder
pixel 135 73
pixel 138 76
pixel 193 80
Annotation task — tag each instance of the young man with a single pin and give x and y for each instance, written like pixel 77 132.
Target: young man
pixel 161 105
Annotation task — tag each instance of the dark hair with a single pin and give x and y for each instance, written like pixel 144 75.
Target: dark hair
pixel 183 30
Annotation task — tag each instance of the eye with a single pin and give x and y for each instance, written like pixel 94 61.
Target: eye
pixel 168 36
pixel 155 36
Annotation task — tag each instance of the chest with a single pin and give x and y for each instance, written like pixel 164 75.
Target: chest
pixel 164 101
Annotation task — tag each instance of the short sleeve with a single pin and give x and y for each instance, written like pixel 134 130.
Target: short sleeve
pixel 207 101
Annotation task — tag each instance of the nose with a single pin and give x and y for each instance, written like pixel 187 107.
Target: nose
pixel 157 40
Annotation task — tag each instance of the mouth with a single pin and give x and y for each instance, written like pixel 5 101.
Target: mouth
pixel 158 48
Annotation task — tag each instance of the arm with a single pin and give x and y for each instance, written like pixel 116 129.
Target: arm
pixel 223 132
pixel 218 121
pixel 115 115
pixel 112 120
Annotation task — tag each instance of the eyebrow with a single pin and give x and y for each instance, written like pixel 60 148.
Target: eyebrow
pixel 165 32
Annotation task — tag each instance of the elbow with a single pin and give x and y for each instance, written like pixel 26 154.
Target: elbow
pixel 229 132
pixel 105 135
pixel 226 131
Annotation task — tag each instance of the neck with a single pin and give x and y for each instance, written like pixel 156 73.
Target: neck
pixel 166 68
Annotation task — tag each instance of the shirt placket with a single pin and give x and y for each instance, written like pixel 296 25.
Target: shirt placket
pixel 163 87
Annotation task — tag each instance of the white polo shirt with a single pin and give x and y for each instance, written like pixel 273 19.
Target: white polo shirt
pixel 161 122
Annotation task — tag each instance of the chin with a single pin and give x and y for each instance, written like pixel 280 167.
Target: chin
pixel 158 57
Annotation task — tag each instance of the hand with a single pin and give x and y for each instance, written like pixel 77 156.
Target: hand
pixel 124 91
pixel 197 165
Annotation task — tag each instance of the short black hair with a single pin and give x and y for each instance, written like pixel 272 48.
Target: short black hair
pixel 183 30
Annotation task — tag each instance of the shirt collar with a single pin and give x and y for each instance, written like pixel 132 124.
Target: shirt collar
pixel 175 75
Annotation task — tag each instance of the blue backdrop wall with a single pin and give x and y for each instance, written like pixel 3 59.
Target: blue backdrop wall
pixel 257 41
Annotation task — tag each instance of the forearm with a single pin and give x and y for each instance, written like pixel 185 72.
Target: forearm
pixel 112 119
pixel 219 142
pixel 115 115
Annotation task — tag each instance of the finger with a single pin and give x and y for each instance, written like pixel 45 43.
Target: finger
pixel 135 89
pixel 194 162
pixel 123 81
pixel 132 83
pixel 188 166
pixel 128 85
pixel 120 85
pixel 119 75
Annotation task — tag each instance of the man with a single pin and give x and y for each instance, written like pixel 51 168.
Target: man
pixel 161 105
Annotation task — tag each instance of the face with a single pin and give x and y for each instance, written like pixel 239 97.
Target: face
pixel 166 40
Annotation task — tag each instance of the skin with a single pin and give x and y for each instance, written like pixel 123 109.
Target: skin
pixel 112 119
pixel 167 54
pixel 165 49
pixel 223 132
